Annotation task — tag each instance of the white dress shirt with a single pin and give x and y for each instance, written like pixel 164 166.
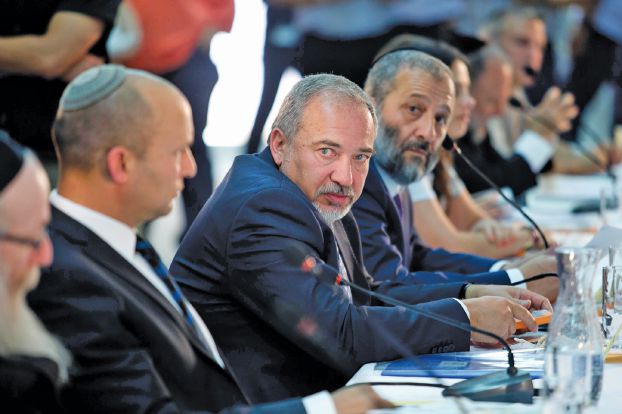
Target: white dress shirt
pixel 509 136
pixel 122 239
pixel 421 190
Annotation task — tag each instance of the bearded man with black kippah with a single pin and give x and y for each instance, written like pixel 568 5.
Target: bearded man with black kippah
pixel 33 364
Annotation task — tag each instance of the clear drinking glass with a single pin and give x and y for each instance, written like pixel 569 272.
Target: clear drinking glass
pixel 573 366
pixel 612 297
pixel 616 291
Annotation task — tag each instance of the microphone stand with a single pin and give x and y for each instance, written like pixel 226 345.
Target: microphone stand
pixel 515 103
pixel 584 151
pixel 450 145
pixel 511 385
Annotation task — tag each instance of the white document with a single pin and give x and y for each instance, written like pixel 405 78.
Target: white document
pixel 606 236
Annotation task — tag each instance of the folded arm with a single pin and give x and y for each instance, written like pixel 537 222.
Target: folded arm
pixel 66 43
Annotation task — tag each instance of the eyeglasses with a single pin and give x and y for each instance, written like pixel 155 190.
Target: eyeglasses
pixel 35 244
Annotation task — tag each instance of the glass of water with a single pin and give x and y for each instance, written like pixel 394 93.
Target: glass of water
pixel 616 291
pixel 612 299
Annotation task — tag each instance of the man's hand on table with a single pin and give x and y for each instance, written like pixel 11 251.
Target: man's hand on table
pixel 494 308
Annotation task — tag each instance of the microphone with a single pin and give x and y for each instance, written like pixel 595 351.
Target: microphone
pixel 511 385
pixel 588 206
pixel 531 72
pixel 515 103
pixel 449 145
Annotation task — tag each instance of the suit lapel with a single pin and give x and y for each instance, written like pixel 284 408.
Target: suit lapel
pixel 101 253
pixel 394 220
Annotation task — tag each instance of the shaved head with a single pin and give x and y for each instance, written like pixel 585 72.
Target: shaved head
pixel 87 126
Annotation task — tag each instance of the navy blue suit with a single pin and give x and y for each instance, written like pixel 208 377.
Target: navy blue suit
pixel 285 332
pixel 132 350
pixel 29 385
pixel 392 248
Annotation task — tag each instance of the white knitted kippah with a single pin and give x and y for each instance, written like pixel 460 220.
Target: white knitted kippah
pixel 92 86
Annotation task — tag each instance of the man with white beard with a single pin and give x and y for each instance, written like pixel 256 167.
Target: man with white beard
pixel 32 362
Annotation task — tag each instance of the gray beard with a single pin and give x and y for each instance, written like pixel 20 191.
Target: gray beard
pixel 391 158
pixel 331 216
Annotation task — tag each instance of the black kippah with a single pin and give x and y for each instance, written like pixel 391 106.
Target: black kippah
pixel 11 159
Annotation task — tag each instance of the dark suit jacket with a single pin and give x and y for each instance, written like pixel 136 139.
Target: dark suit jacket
pixel 132 350
pixel 392 248
pixel 29 385
pixel 285 332
pixel 513 172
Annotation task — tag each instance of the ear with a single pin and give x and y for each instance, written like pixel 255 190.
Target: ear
pixel 119 164
pixel 278 145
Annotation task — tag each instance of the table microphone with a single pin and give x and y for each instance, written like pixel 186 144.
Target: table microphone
pixel 511 385
pixel 531 72
pixel 451 145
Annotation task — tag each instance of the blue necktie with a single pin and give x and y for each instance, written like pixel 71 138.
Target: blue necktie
pixel 145 248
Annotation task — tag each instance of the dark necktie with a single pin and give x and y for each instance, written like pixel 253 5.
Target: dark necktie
pixel 144 248
pixel 398 202
pixel 348 259
pixel 402 200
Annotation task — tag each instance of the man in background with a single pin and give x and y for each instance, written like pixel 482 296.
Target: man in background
pixel 504 131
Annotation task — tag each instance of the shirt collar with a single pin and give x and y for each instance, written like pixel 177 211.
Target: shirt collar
pixel 117 235
pixel 389 182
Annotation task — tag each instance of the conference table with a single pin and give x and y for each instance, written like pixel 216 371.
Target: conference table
pixel 421 399
pixel 551 205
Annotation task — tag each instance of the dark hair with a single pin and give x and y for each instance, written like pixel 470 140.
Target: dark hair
pixel 436 48
pixel 482 56
pixel 381 76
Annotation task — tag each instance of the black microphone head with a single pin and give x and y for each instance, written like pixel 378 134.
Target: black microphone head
pixel 514 102
pixel 531 72
pixel 448 143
